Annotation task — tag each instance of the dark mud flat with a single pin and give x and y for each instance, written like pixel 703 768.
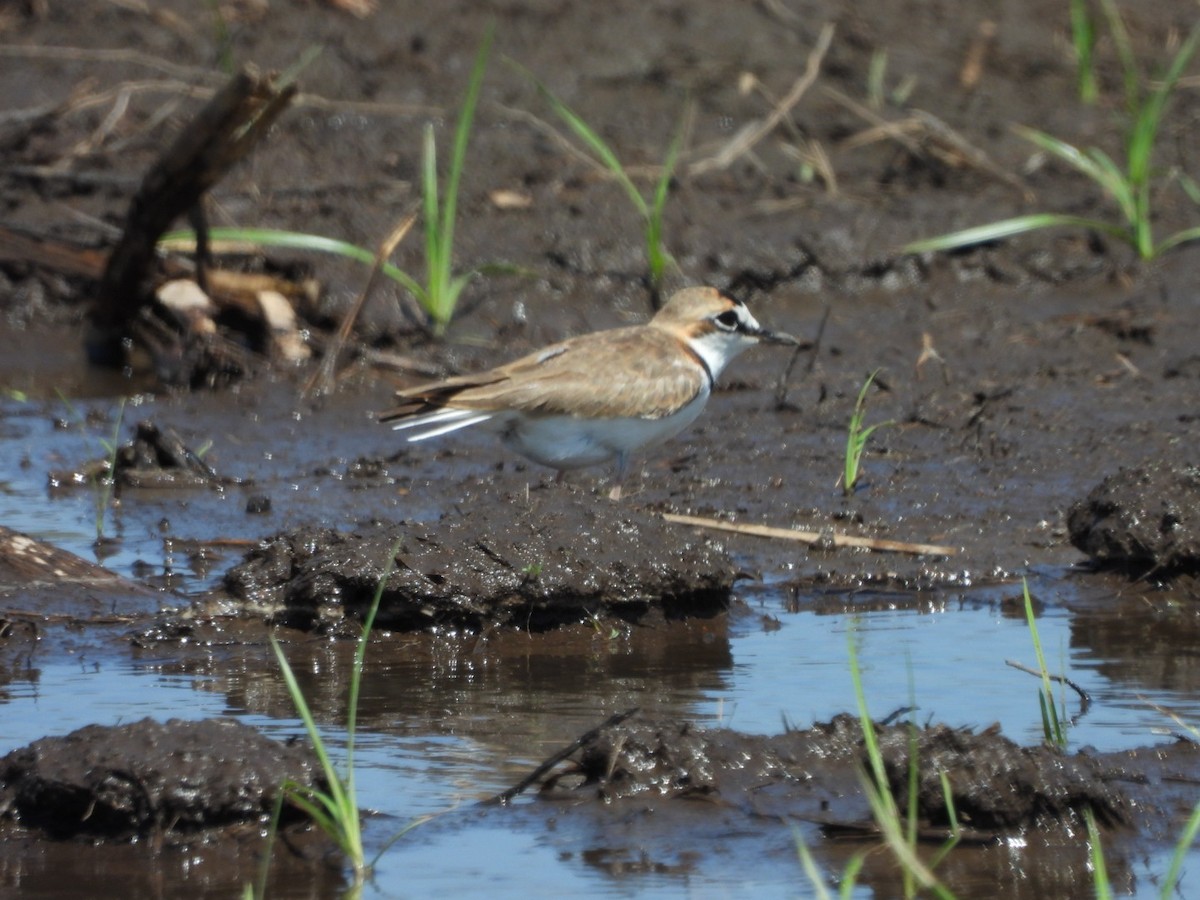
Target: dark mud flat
pixel 1019 376
pixel 490 564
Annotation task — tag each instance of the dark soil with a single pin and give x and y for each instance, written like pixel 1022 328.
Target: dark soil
pixel 1016 375
pixel 496 565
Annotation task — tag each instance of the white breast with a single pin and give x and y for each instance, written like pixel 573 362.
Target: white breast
pixel 568 442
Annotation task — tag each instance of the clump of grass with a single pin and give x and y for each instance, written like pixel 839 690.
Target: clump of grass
pixel 1054 727
pixel 651 210
pixel 335 810
pixel 439 294
pixel 857 437
pixel 1128 185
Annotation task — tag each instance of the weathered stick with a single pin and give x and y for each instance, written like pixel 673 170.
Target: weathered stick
pixel 222 133
pixel 504 796
pixel 813 537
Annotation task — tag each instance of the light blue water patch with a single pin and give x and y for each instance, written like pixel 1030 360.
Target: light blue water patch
pixel 952 663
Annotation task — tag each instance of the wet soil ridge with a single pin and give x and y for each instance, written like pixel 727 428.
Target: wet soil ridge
pixel 494 561
pixel 997 785
pixel 147 779
pixel 1142 520
pixel 813 774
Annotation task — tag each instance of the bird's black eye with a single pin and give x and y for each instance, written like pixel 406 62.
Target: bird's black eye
pixel 729 320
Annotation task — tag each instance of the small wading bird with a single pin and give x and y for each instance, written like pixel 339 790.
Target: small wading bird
pixel 598 396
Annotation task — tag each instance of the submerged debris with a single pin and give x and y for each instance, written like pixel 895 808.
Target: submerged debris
pixel 816 774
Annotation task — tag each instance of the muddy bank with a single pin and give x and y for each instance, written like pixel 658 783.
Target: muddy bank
pixel 1015 375
pixel 494 561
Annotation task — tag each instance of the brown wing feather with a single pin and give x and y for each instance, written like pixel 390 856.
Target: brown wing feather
pixel 613 373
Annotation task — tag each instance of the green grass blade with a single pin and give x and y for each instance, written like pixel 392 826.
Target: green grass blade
pixel 1129 71
pixel 301 704
pixel 1180 237
pixel 657 256
pixel 1068 153
pixel 996 231
pixel 431 207
pixel 815 877
pixel 850 875
pixel 1100 880
pixel 1148 116
pixel 444 302
pixel 292 240
pixel 594 142
pixel 1182 847
pixel 1083 39
pixel 1055 733
pixel 1114 181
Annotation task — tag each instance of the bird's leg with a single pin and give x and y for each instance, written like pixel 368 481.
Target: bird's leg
pixel 614 493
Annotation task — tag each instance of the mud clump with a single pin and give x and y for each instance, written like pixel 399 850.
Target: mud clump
pixel 491 562
pixel 995 784
pixel 147 779
pixel 1140 520
pixel 813 774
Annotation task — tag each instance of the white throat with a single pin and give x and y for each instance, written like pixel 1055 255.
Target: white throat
pixel 717 348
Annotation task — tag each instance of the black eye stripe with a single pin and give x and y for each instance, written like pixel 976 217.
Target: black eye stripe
pixel 728 320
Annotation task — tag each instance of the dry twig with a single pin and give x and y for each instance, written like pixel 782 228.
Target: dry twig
pixel 321 380
pixel 813 537
pixel 744 141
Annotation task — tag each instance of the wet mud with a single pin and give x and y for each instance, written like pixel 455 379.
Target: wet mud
pixel 165 781
pixel 1040 394
pixel 490 564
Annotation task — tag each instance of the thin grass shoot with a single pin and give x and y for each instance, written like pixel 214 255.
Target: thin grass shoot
pixel 335 810
pixel 1053 725
pixel 657 257
pixel 857 437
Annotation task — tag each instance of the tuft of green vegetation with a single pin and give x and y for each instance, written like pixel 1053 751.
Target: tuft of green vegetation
pixel 439 295
pixel 1128 185
pixel 651 211
pixel 856 438
pixel 1054 726
pixel 103 474
pixel 335 810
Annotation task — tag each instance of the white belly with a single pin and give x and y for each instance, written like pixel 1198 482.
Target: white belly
pixel 568 442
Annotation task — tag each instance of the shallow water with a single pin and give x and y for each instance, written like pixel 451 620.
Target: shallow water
pixel 448 721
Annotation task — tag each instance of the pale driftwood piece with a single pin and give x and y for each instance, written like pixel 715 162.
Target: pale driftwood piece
pixel 28 561
pixel 221 134
pixel 813 537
